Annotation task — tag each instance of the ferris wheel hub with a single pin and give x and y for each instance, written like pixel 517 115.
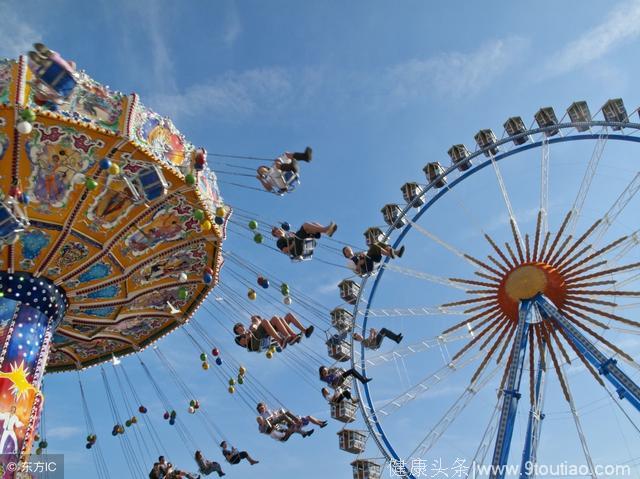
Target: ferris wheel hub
pixel 526 280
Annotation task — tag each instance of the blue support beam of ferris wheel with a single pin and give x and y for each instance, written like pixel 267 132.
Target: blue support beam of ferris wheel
pixel 530 452
pixel 511 393
pixel 607 367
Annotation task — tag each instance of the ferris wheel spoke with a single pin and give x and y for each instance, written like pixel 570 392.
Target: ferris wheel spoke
pixel 421 275
pixel 507 202
pixel 489 433
pixel 438 240
pixel 571 306
pixel 499 251
pixel 597 336
pixel 618 207
pixel 569 264
pixel 418 347
pixel 619 269
pixel 404 312
pixel 423 386
pixel 479 336
pixel 556 363
pixel 557 237
pixel 490 314
pixel 543 250
pixel 451 415
pixel 589 319
pixel 580 431
pixel 584 361
pixel 491 351
pixel 589 174
pixel 544 185
pixel 577 243
pixel 536 238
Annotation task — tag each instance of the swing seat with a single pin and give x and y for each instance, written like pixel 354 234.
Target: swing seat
pixel 57 78
pixel 11 225
pixel 288 181
pixel 150 183
pixel 308 247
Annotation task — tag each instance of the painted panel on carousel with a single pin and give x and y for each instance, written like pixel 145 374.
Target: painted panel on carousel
pixel 6 69
pixel 59 157
pixel 105 312
pixel 58 359
pixel 108 292
pixel 159 136
pixel 190 261
pixel 157 299
pixel 96 348
pixel 72 254
pixel 138 328
pixel 171 223
pixel 31 245
pixel 116 203
pixel 95 103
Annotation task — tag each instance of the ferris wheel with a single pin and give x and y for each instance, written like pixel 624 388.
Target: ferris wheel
pixel 518 300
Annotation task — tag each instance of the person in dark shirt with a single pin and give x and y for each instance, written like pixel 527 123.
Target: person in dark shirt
pixel 335 377
pixel 363 263
pixel 207 467
pixel 233 456
pixel 292 244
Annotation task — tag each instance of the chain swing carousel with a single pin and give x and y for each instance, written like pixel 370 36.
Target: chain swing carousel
pixel 111 227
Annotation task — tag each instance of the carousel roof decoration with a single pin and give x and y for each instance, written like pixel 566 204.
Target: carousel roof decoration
pixel 120 210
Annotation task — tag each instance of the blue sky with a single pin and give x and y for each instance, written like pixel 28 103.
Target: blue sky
pixel 378 89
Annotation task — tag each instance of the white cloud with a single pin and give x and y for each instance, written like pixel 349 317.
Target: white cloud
pixel 232 26
pixel 16 35
pixel 621 25
pixel 234 94
pixel 455 74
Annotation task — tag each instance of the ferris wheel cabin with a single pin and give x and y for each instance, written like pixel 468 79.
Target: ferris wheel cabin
pixel 349 291
pixel 352 441
pixel 614 111
pixel 345 411
pixel 547 117
pixel 393 216
pixel 412 193
pixel 366 469
pixel 459 154
pixel 341 319
pixel 486 140
pixel 579 113
pixel 515 126
pixel 435 174
pixel 339 349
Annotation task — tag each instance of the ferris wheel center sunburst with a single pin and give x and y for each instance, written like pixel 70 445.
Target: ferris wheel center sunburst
pixel 525 281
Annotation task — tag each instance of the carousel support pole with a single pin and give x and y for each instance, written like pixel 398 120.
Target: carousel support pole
pixel 511 393
pixel 30 310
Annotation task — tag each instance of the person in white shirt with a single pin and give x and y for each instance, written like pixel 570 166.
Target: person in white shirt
pixel 277 178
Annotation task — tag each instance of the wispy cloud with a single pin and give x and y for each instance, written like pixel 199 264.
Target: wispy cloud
pixel 16 35
pixel 232 26
pixel 266 91
pixel 454 73
pixel 235 94
pixel 621 25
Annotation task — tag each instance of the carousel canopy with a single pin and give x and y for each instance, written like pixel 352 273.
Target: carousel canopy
pixel 123 213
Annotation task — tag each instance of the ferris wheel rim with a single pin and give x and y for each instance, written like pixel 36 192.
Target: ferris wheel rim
pixel 368 410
